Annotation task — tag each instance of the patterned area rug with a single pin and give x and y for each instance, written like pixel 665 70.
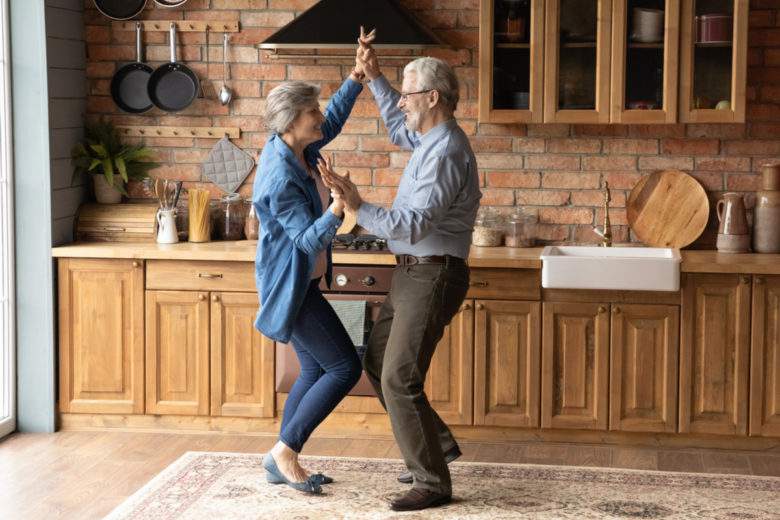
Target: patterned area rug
pixel 220 486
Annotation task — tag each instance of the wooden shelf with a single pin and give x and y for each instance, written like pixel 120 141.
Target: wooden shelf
pixel 657 46
pixel 513 46
pixel 578 45
pixel 181 25
pixel 716 45
pixel 205 132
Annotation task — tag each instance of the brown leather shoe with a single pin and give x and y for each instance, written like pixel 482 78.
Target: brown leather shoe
pixel 419 498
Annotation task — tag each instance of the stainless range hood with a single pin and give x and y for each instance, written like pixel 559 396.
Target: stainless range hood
pixel 335 24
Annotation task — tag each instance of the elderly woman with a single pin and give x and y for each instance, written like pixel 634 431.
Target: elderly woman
pixel 293 254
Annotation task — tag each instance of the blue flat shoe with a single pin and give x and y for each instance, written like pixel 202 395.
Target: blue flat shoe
pixel 317 478
pixel 274 476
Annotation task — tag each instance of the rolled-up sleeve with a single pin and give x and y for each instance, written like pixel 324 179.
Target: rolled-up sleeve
pixel 439 183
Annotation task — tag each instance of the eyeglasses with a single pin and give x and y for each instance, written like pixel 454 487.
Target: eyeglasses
pixel 405 95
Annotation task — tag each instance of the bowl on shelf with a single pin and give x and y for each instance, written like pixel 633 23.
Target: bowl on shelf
pixel 714 28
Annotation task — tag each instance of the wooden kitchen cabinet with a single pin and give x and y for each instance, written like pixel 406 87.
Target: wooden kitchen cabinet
pixel 450 378
pixel 575 361
pixel 511 35
pixel 101 338
pixel 177 352
pixel 644 342
pixel 242 359
pixel 713 69
pixel 644 65
pixel 506 367
pixel 765 358
pixel 714 347
pixel 577 61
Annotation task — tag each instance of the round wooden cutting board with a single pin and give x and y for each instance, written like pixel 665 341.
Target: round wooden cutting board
pixel 668 208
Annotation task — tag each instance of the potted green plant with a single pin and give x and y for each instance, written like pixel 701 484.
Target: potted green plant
pixel 110 162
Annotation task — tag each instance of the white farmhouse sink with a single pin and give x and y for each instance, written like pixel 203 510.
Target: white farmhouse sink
pixel 620 268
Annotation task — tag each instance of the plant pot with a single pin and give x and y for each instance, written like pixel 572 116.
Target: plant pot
pixel 104 193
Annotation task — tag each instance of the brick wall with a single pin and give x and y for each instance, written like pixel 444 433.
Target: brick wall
pixel 555 169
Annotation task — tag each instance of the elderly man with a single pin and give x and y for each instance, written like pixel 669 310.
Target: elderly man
pixel 429 230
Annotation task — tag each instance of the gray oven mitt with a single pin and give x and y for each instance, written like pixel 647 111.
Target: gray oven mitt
pixel 227 165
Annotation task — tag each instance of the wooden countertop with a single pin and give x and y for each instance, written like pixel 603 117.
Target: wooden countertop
pixel 497 257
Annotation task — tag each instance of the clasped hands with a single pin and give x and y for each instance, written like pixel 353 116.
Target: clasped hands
pixel 342 189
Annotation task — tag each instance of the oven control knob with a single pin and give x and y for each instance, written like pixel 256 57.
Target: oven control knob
pixel 341 280
pixel 368 281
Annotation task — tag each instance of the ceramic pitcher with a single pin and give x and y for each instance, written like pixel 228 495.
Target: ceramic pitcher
pixel 732 215
pixel 166 229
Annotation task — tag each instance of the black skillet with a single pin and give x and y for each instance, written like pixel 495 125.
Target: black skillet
pixel 120 9
pixel 173 86
pixel 129 85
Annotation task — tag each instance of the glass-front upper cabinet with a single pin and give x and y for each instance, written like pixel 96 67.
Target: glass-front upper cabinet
pixel 645 40
pixel 576 62
pixel 510 61
pixel 713 43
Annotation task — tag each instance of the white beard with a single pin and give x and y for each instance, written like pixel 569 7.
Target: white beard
pixel 412 121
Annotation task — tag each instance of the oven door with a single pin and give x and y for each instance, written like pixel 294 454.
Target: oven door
pixel 287 366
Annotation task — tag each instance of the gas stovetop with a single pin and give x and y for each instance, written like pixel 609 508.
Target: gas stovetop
pixel 367 243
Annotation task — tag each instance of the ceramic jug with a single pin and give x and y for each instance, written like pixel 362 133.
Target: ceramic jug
pixel 732 215
pixel 166 226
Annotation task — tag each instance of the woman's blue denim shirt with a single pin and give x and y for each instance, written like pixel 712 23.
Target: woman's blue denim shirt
pixel 293 227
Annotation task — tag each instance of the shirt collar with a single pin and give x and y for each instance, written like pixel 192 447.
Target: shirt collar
pixel 435 133
pixel 286 153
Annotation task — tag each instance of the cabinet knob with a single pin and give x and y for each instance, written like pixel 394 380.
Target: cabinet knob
pixel 465 306
pixel 210 276
pixel 745 279
pixel 201 297
pixel 215 298
pixel 616 310
pixel 759 280
pixel 478 284
pixel 136 263
pixel 480 306
pixel 602 309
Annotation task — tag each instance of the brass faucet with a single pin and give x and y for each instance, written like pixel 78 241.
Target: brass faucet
pixel 606 231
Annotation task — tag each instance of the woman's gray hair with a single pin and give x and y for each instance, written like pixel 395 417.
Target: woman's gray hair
pixel 434 74
pixel 286 101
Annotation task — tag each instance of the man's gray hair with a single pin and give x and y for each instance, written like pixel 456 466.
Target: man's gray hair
pixel 434 74
pixel 285 102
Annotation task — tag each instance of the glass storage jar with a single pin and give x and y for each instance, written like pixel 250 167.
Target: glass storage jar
pixel 520 230
pixel 487 230
pixel 251 223
pixel 230 217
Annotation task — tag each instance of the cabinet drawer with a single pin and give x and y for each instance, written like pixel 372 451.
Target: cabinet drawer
pixel 200 276
pixel 503 284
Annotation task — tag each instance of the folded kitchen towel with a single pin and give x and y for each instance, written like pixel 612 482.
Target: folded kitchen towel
pixel 352 314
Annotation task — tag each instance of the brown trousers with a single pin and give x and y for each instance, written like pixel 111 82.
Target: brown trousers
pixel 422 301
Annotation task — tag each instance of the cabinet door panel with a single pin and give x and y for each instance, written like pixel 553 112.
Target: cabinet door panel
pixel 713 64
pixel 506 380
pixel 714 354
pixel 644 61
pixel 643 372
pixel 765 358
pixel 511 61
pixel 450 377
pixel 575 357
pixel 577 56
pixel 242 359
pixel 177 352
pixel 101 347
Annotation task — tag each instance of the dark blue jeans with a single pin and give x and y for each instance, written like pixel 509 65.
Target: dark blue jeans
pixel 330 367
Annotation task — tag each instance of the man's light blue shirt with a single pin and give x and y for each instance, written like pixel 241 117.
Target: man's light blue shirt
pixel 434 210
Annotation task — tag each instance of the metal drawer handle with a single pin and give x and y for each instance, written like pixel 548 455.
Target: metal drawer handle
pixel 113 228
pixel 210 275
pixel 478 284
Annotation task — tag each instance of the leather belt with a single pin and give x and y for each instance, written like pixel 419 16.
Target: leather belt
pixel 403 260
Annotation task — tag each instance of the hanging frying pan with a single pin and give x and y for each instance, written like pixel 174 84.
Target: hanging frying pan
pixel 129 85
pixel 170 3
pixel 173 86
pixel 120 9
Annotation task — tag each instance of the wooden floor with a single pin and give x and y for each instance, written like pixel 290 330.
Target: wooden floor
pixel 83 475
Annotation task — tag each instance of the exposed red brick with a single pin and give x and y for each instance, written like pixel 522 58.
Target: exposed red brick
pixel 663 163
pixel 571 180
pixel 375 160
pixel 690 146
pixel 743 182
pixel 595 198
pixel 491 144
pixel 752 147
pixel 574 146
pixel 500 161
pixel 513 179
pixel 609 162
pixel 630 146
pixel 497 197
pixel 495 129
pixel 552 162
pixel 566 215
pixel 387 177
pixel 542 197
pixel 722 164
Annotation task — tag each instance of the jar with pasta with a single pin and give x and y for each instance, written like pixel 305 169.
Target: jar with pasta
pixel 487 230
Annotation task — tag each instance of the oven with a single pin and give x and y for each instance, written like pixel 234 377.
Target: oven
pixel 366 286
